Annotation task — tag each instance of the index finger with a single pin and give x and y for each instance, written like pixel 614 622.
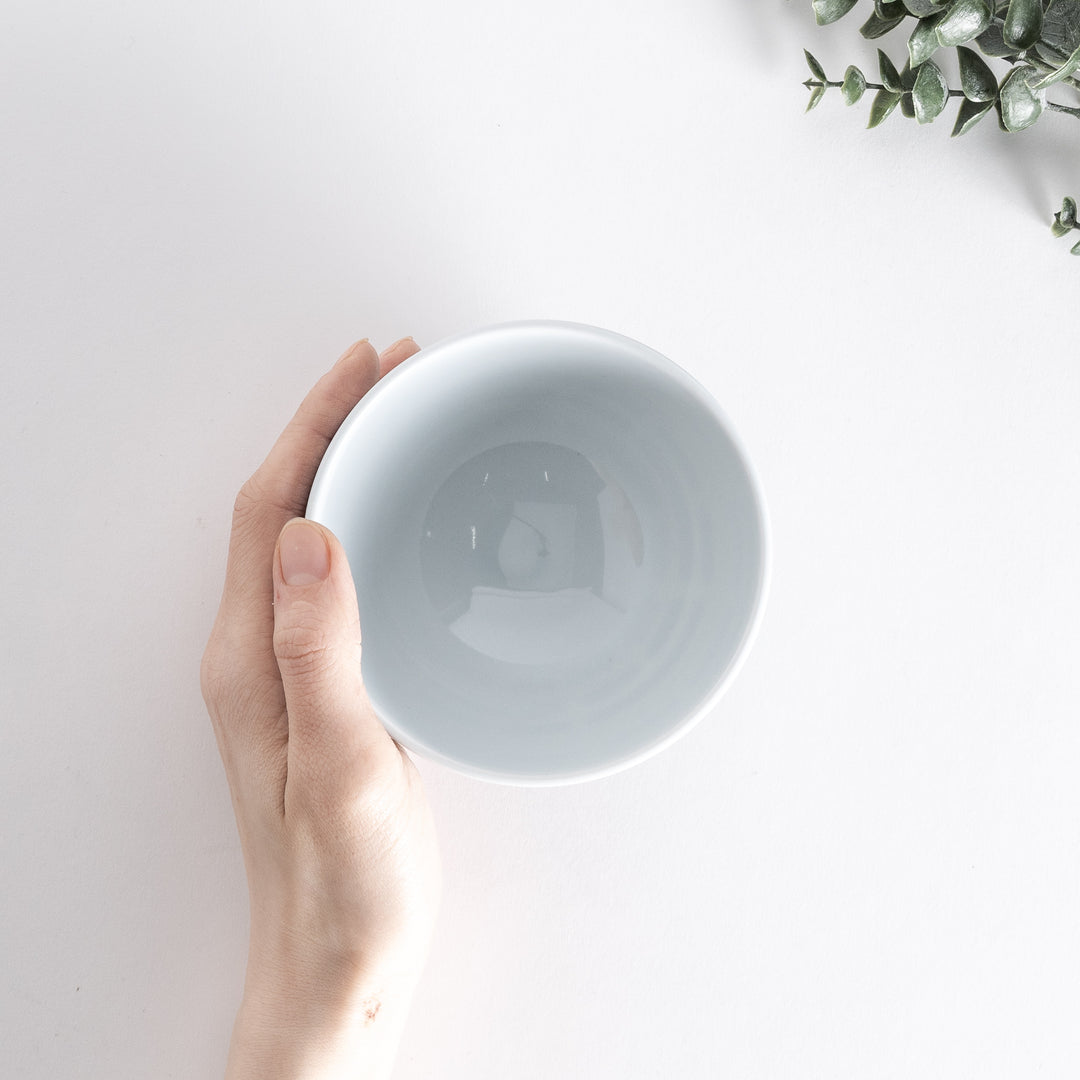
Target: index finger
pixel 279 487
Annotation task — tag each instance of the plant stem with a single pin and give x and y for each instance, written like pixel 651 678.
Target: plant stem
pixel 817 82
pixel 1052 105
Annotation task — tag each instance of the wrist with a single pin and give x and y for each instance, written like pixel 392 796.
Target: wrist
pixel 312 1024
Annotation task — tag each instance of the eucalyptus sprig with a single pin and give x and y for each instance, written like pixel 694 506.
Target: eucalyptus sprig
pixel 1065 222
pixel 922 92
pixel 1039 40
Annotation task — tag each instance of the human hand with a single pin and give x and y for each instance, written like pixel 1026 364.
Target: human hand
pixel 338 839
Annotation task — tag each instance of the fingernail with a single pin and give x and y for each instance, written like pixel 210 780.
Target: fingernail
pixel 305 559
pixel 401 342
pixel 352 348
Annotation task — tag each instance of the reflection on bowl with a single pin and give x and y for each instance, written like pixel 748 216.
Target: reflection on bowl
pixel 530 556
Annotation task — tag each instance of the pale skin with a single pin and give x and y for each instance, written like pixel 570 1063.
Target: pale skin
pixel 339 844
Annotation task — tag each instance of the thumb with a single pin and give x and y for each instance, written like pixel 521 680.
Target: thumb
pixel 333 728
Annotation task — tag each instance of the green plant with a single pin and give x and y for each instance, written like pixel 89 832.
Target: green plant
pixel 1065 222
pixel 1038 40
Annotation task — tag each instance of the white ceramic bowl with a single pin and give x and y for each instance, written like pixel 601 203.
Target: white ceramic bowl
pixel 559 545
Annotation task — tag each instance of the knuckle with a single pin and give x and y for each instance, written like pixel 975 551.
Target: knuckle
pixel 217 675
pixel 247 500
pixel 263 491
pixel 211 673
pixel 218 690
pixel 301 643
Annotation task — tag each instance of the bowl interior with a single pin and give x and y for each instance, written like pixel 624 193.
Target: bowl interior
pixel 557 546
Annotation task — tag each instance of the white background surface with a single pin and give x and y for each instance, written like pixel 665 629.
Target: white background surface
pixel 866 861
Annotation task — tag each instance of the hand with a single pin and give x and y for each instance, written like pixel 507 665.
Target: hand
pixel 339 843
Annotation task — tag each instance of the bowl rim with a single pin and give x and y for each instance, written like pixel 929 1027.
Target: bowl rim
pixel 318 501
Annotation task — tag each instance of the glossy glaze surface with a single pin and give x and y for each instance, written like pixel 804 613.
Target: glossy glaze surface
pixel 559 550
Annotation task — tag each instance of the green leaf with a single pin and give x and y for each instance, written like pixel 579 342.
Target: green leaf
pixel 1061 26
pixel 854 85
pixel 1020 106
pixel 965 20
pixel 921 8
pixel 907 81
pixel 1062 72
pixel 971 112
pixel 1067 213
pixel 992 43
pixel 816 94
pixel 828 11
pixel 890 9
pixel 883 104
pixel 923 41
pixel 1023 23
pixel 1075 249
pixel 1059 228
pixel 977 81
pixel 930 92
pixel 1049 56
pixel 815 67
pixel 890 77
pixel 876 27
